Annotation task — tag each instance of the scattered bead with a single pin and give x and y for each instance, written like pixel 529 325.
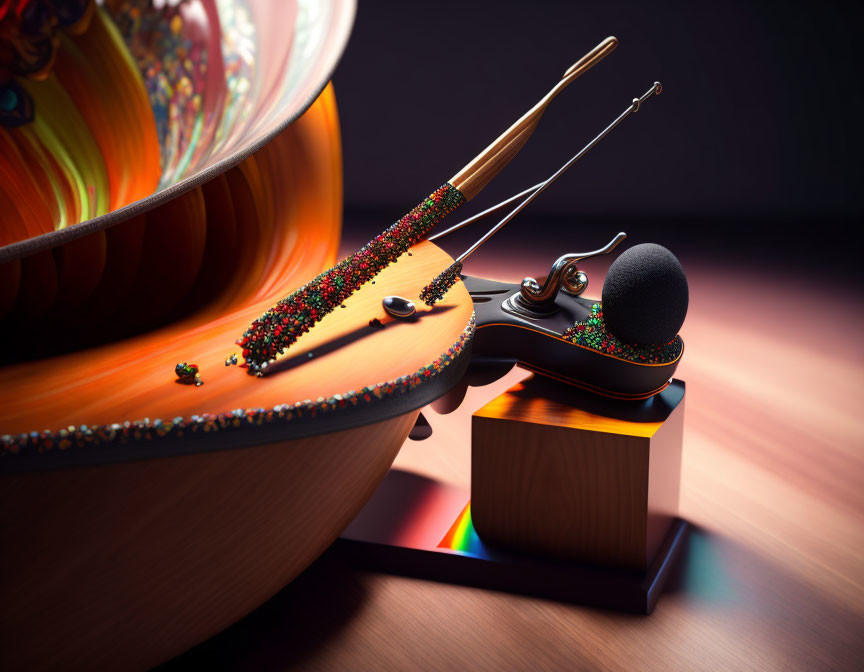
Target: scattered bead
pixel 186 373
pixel 231 360
pixel 375 323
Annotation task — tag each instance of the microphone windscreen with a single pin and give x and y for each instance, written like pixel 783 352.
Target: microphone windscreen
pixel 645 295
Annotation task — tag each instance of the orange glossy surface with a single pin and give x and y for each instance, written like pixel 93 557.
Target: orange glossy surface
pixel 119 115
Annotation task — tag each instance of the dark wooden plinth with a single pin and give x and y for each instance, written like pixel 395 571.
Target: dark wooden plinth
pixel 414 526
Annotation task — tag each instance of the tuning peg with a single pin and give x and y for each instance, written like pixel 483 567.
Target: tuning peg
pixel 564 275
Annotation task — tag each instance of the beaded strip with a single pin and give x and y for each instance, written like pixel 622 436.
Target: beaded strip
pixel 593 334
pixel 148 430
pixel 435 290
pixel 278 328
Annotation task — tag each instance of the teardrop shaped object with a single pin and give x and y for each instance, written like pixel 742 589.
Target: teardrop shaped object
pixel 398 307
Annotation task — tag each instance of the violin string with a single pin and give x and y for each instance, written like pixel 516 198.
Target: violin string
pixel 440 285
pixel 484 213
pixel 634 107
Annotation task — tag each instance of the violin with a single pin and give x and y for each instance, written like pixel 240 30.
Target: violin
pixel 359 365
pixel 217 469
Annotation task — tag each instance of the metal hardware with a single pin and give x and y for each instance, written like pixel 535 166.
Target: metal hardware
pixel 396 306
pixel 487 211
pixel 564 275
pixel 634 107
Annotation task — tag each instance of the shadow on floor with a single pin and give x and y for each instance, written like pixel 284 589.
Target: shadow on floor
pixel 289 628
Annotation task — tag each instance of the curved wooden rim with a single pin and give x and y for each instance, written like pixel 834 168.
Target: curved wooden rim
pixel 196 438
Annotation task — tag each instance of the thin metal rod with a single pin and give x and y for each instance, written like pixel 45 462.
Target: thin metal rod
pixel 487 211
pixel 634 106
pixel 488 163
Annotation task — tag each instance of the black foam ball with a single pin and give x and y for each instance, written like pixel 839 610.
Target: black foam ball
pixel 645 295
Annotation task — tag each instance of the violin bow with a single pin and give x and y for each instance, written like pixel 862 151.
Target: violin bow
pixel 278 328
pixel 435 290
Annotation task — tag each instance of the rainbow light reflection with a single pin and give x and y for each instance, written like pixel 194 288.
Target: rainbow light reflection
pixel 462 537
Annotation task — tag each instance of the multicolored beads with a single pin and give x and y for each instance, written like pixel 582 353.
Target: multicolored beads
pixel 188 374
pixel 278 328
pixel 151 430
pixel 593 334
pixel 435 290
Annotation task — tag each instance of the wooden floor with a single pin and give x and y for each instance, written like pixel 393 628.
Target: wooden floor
pixel 773 578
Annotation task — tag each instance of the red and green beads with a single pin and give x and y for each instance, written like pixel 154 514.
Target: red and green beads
pixel 592 333
pixel 435 290
pixel 278 328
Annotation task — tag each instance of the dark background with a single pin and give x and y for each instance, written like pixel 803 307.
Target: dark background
pixel 751 151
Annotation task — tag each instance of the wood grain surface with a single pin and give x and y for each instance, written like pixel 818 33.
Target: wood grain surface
pixel 122 566
pixel 771 477
pixel 548 477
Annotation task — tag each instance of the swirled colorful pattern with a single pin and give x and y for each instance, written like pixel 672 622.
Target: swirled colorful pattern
pixel 592 333
pixel 278 328
pixel 70 132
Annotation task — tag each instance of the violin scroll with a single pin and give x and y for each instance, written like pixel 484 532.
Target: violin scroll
pixel 564 275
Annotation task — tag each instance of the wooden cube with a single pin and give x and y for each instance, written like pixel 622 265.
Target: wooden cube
pixel 561 472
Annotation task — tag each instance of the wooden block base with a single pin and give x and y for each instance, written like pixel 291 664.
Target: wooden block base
pixel 414 526
pixel 560 472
